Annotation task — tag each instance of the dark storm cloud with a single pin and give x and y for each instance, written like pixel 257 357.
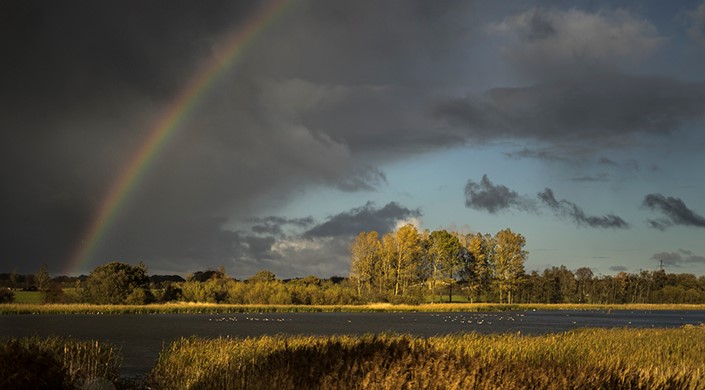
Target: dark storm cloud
pixel 487 196
pixel 674 210
pixel 324 94
pixel 364 218
pixel 598 108
pixel 576 88
pixel 573 212
pixel 678 259
pixel 552 43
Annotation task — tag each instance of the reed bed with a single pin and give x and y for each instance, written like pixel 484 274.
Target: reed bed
pixel 214 308
pixel 583 359
pixel 56 363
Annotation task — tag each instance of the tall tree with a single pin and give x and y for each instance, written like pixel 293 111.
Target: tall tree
pixel 407 248
pixel 583 277
pixel 509 256
pixel 476 270
pixel 42 278
pixel 365 253
pixel 14 278
pixel 443 251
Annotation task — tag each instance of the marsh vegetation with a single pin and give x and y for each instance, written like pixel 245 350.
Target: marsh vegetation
pixel 55 363
pixel 588 358
pixel 616 358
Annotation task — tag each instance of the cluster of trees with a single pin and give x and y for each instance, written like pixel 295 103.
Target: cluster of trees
pixel 265 288
pixel 561 285
pixel 407 265
pixel 121 283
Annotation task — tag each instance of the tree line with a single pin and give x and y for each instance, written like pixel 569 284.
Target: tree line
pixel 402 266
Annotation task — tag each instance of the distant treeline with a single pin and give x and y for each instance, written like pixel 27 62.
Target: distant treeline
pixel 553 285
pixel 403 266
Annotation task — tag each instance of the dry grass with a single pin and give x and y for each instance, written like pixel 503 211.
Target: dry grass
pixel 194 308
pixel 584 359
pixel 55 363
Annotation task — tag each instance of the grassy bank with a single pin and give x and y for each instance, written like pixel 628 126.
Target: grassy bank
pixel 54 363
pixel 589 358
pixel 199 308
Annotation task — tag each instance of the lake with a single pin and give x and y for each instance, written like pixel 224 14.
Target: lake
pixel 141 336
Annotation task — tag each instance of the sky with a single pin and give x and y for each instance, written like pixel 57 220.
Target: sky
pixel 579 124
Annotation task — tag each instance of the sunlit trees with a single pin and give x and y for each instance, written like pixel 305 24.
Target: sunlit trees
pixel 206 286
pixel 407 247
pixel 364 268
pixel 118 283
pixel 476 269
pixel 443 252
pixel 509 256
pixel 405 259
pixel 386 268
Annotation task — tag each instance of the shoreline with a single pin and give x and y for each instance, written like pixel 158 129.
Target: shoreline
pixel 213 308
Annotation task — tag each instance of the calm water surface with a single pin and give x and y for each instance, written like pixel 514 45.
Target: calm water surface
pixel 141 336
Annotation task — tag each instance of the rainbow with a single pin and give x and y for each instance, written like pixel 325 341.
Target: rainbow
pixel 234 45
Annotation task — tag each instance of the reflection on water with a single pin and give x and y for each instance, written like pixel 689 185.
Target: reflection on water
pixel 141 336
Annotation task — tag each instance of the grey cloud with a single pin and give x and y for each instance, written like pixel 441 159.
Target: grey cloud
pixel 487 196
pixel 674 210
pixel 679 258
pixel 557 153
pixel 607 161
pixel 573 212
pixel 364 218
pixel 275 225
pixel 595 109
pixel 618 268
pixel 552 42
pixel 598 177
pixel 696 19
pixel 364 180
